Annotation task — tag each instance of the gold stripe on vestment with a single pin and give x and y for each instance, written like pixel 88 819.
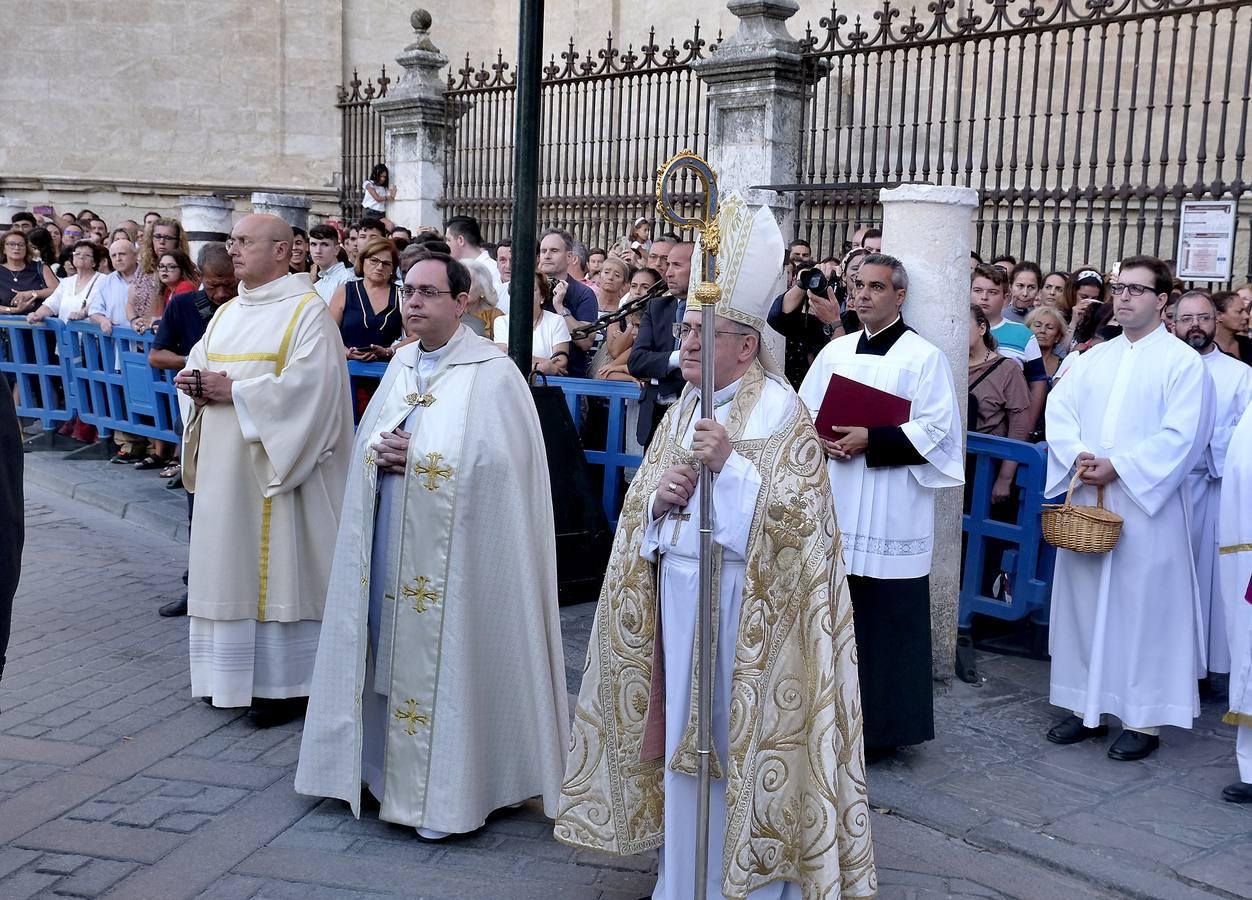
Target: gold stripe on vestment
pixel 243 357
pixel 1236 548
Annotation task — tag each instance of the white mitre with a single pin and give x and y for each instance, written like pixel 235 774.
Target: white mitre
pixel 749 271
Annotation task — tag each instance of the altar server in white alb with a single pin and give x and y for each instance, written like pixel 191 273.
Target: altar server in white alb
pixel 884 481
pixel 788 809
pixel 265 452
pixel 1134 415
pixel 1235 542
pixel 440 679
pixel 1195 321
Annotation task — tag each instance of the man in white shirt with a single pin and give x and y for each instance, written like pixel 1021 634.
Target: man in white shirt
pixel 108 303
pixel 330 259
pixel 466 240
pixel 1133 417
pixel 1195 322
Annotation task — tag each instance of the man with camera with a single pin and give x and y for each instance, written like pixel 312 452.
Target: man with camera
pixel 807 315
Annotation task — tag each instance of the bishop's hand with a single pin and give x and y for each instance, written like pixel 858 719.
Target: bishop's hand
pixel 674 491
pixel 392 451
pixel 711 444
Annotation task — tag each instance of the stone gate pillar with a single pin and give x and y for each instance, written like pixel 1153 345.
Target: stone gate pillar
pixel 414 124
pixel 931 229
pixel 755 90
pixel 206 220
pixel 290 208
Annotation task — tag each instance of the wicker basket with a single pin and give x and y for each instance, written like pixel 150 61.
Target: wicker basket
pixel 1082 529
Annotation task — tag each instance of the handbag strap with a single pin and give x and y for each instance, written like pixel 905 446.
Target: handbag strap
pixel 991 368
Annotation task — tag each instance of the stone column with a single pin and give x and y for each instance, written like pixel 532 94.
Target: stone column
pixel 931 230
pixel 291 209
pixel 755 92
pixel 414 122
pixel 8 207
pixel 206 220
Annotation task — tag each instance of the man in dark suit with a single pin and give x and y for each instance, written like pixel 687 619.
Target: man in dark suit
pixel 654 357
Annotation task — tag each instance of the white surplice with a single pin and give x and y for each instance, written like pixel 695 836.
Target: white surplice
pixel 1235 540
pixel 268 472
pixel 676 543
pixel 1232 381
pixel 1125 625
pixel 886 514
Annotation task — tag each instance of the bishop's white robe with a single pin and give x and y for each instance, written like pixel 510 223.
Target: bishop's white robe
pixel 440 677
pixel 1232 381
pixel 1235 540
pixel 674 543
pixel 1125 631
pixel 267 471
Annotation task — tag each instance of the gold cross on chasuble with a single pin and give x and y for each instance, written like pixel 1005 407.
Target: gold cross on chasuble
pixel 411 717
pixel 420 399
pixel 421 593
pixel 679 518
pixel 370 460
pixel 432 470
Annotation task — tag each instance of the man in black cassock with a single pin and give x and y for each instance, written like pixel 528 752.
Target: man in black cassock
pixel 12 525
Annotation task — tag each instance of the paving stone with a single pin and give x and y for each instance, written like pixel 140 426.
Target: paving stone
pixel 147 812
pixel 101 839
pixel 27 884
pixel 214 799
pixel 183 822
pixel 96 877
pixel 60 863
pixel 183 789
pixel 12 859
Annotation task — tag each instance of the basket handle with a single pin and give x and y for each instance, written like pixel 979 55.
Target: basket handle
pixel 1074 483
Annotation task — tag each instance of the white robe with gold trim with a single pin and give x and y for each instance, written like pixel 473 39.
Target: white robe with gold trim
pixel 267 472
pixel 456 704
pixel 1235 540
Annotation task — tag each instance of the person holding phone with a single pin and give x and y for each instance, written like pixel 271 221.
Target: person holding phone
pixel 367 310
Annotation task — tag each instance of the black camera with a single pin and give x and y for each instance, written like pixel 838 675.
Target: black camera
pixel 812 280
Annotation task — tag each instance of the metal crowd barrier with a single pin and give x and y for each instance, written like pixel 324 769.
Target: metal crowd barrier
pixel 33 359
pixel 1015 548
pixel 114 387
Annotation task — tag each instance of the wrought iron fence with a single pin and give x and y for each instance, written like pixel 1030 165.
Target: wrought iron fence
pixel 1082 123
pixel 610 119
pixel 363 139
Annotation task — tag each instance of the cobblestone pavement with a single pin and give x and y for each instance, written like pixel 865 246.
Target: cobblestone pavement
pixel 113 782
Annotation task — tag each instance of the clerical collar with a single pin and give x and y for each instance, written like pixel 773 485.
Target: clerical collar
pixel 1147 338
pixel 878 344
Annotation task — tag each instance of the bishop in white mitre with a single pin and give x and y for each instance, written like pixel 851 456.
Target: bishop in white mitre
pixel 440 678
pixel 884 481
pixel 268 427
pixel 1235 549
pixel 1134 416
pixel 783 661
pixel 1195 321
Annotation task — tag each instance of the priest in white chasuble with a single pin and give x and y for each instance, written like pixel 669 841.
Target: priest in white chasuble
pixel 1195 321
pixel 1235 548
pixel 884 480
pixel 440 678
pixel 788 810
pixel 268 429
pixel 1133 416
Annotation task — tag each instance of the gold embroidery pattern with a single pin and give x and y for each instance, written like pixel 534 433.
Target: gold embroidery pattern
pixel 409 715
pixel 370 460
pixel 1235 548
pixel 432 470
pixel 422 400
pixel 421 593
pixel 797 807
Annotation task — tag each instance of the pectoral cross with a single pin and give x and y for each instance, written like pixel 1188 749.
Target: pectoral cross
pixel 433 471
pixel 409 714
pixel 370 460
pixel 679 518
pixel 420 399
pixel 421 594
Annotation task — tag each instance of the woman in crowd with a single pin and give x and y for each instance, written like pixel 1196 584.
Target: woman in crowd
pixel 177 274
pixel 998 396
pixel 613 283
pixel 1052 335
pixel 45 247
pixel 480 312
pixel 70 235
pixel 24 280
pixel 620 338
pixel 550 338
pixel 1232 325
pixel 1053 290
pixel 377 191
pixel 69 301
pixel 1083 289
pixel 367 310
pixel 143 302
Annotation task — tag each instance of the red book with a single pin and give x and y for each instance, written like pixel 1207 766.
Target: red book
pixel 851 403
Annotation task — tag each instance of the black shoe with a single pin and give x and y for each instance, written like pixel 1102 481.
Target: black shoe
pixel 1217 686
pixel 174 608
pixel 271 713
pixel 1071 730
pixel 1133 745
pixel 879 754
pixel 1239 792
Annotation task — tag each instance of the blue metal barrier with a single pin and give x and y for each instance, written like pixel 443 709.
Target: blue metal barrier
pixel 115 388
pixel 612 456
pixel 1016 547
pixel 34 355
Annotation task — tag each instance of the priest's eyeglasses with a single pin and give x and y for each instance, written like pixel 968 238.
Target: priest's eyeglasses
pixel 1135 290
pixel 682 329
pixel 406 293
pixel 243 243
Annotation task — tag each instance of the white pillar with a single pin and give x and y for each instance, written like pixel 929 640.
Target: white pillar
pixel 9 206
pixel 291 209
pixel 206 220
pixel 930 230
